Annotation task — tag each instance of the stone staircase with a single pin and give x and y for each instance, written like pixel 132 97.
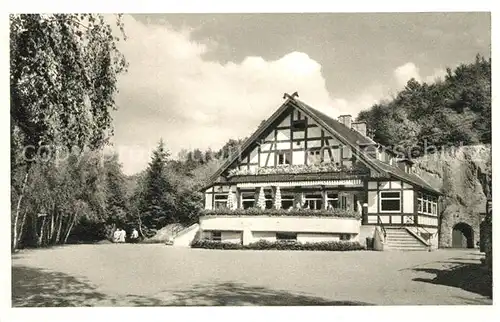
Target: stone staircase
pixel 402 239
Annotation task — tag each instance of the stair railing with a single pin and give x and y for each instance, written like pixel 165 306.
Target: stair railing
pixel 381 224
pixel 419 228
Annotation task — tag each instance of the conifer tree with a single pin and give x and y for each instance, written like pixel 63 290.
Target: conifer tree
pixel 157 203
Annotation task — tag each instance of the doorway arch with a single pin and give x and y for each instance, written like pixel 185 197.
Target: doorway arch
pixel 462 236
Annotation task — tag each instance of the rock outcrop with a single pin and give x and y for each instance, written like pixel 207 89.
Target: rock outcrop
pixel 463 174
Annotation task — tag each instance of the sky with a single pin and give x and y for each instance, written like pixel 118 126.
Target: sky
pixel 198 80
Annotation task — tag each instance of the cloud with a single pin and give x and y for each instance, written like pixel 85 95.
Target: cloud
pixel 171 91
pixel 404 73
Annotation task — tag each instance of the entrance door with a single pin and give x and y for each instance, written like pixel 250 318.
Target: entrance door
pixel 462 236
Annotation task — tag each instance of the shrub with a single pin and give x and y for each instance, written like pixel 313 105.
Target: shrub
pixel 281 245
pixel 336 213
pixel 213 244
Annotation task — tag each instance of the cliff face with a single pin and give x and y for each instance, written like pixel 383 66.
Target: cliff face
pixel 463 174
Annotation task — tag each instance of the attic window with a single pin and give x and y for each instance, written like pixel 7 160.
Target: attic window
pixel 299 125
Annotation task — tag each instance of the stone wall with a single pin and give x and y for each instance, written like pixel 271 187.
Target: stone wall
pixel 463 174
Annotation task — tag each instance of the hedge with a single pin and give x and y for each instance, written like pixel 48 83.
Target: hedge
pixel 336 213
pixel 280 245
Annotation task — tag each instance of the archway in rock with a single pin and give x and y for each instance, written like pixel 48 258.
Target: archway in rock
pixel 462 236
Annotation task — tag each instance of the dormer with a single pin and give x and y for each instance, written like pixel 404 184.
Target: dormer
pixel 360 127
pixel 405 164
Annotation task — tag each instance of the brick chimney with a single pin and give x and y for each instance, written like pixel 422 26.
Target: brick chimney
pixel 360 127
pixel 346 120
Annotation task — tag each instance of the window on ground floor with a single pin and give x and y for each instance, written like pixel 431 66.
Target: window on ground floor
pixel 427 204
pixel 390 201
pixel 345 237
pixel 216 235
pixel 286 236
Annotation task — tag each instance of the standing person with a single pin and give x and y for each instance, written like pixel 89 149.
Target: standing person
pixel 123 235
pixel 116 235
pixel 134 236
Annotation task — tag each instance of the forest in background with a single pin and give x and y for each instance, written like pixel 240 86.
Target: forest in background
pixel 63 82
pixel 453 111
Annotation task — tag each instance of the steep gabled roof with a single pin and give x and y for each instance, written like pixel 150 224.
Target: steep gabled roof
pixel 347 136
pixel 395 171
pixel 261 129
pixel 350 134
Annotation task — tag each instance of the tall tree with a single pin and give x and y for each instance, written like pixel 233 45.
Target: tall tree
pixel 157 200
pixel 64 69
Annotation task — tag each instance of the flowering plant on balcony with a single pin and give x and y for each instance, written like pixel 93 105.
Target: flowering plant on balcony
pixel 291 169
pixel 335 213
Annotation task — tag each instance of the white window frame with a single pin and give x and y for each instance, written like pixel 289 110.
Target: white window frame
pixel 287 156
pixel 315 199
pixel 431 205
pixel 215 200
pixel 391 198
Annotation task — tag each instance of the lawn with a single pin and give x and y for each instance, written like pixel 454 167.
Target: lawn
pixel 157 275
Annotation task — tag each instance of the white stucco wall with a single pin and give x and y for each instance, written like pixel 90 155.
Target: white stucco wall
pixel 408 206
pixel 372 202
pixel 298 157
pixel 273 224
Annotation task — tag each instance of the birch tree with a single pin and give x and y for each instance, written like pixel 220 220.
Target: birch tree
pixel 64 70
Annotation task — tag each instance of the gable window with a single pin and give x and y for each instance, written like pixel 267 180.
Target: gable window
pixel 220 201
pixel 299 125
pixel 390 201
pixel 286 236
pixel 284 157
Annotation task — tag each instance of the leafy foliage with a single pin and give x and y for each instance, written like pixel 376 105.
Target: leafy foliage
pixel 63 76
pixel 450 112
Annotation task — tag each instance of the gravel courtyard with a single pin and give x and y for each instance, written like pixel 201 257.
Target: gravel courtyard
pixel 159 275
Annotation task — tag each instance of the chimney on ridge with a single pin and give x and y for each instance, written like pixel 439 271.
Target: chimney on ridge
pixel 346 120
pixel 360 127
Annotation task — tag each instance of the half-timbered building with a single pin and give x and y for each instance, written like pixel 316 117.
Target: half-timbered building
pixel 301 158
